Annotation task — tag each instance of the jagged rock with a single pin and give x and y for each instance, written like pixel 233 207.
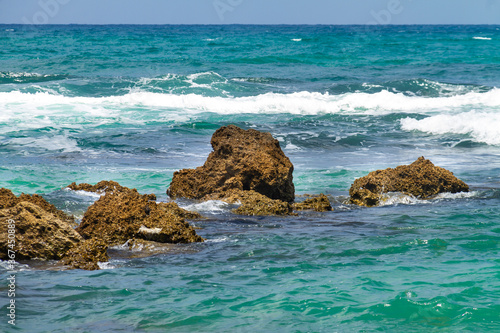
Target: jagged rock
pixel 86 255
pixel 242 160
pixel 8 200
pixel 104 186
pixel 319 204
pixel 38 233
pixel 117 217
pixel 253 203
pixel 421 179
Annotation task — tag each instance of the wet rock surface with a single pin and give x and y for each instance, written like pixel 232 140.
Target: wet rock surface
pixel 104 186
pixel 242 160
pixel 38 233
pixel 421 179
pixel 319 203
pixel 253 203
pixel 86 255
pixel 118 217
pixel 8 200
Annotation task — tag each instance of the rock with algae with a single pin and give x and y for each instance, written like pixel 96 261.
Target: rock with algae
pixel 421 179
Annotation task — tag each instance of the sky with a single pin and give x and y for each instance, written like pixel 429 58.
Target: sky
pixel 250 11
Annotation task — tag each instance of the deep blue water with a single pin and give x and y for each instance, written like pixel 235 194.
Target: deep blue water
pixel 136 103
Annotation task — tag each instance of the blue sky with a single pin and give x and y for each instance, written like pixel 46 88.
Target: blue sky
pixel 250 11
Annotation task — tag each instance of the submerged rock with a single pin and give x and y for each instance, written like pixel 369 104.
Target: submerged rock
pixel 242 160
pixel 119 216
pixel 319 203
pixel 421 179
pixel 38 233
pixel 86 255
pixel 253 203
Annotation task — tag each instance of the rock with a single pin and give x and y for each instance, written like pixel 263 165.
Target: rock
pixel 319 204
pixel 86 255
pixel 253 203
pixel 104 186
pixel 38 233
pixel 8 200
pixel 118 217
pixel 421 179
pixel 243 160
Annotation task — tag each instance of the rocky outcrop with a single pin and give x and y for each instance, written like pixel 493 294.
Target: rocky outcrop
pixel 118 217
pixel 38 233
pixel 104 186
pixel 86 255
pixel 421 179
pixel 8 200
pixel 242 160
pixel 319 203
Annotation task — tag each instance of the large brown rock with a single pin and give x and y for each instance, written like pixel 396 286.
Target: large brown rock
pixel 38 233
pixel 421 179
pixel 118 217
pixel 242 160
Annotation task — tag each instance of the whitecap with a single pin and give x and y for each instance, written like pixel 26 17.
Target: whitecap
pixel 83 193
pixel 482 38
pixel 480 126
pixel 105 265
pixel 210 206
pixel 296 39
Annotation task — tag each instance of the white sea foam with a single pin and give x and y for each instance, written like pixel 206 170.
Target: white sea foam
pixel 296 39
pixel 395 198
pixel 482 38
pixel 210 206
pixel 449 114
pixel 481 126
pixel 56 142
pixel 83 193
pixel 39 104
pixel 105 265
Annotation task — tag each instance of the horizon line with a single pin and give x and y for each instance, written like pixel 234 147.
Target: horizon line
pixel 257 24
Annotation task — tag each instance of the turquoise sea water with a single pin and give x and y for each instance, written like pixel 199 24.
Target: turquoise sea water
pixel 136 103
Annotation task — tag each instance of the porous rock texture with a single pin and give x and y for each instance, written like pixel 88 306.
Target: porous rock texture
pixel 39 234
pixel 8 200
pixel 319 203
pixel 104 186
pixel 119 216
pixel 86 255
pixel 421 179
pixel 242 160
pixel 253 203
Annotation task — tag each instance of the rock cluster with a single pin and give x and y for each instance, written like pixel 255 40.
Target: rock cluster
pixel 44 232
pixel 421 179
pixel 242 160
pixel 247 167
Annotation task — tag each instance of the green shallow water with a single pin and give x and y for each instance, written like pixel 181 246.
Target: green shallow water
pixel 135 104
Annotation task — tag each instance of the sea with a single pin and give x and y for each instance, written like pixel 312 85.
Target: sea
pixel 133 104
